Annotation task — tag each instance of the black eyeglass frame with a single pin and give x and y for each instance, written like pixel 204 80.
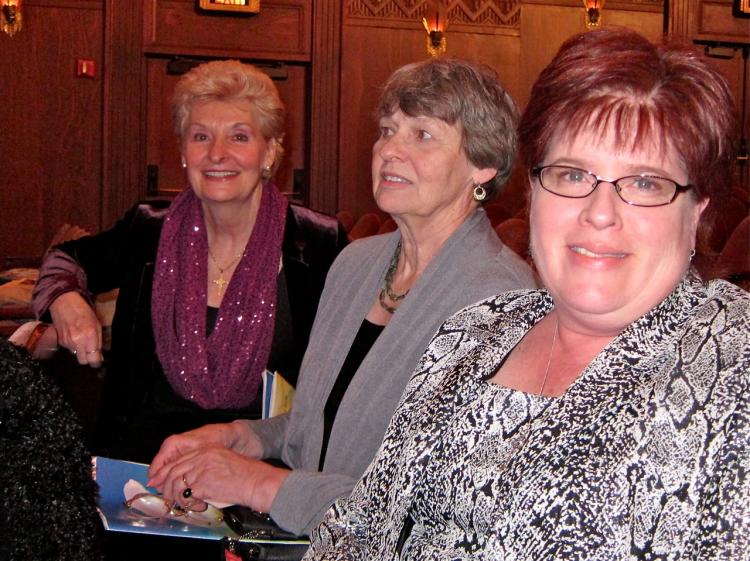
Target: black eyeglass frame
pixel 536 172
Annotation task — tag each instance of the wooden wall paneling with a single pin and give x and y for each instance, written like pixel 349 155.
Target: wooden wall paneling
pixel 369 56
pixel 291 176
pixel 744 167
pixel 546 25
pixel 162 148
pixel 681 18
pixel 715 21
pixel 123 146
pixel 712 20
pixel 380 36
pixel 325 91
pixel 51 125
pixel 732 70
pixel 281 31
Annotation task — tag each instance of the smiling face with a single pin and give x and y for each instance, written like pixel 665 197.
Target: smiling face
pixel 420 170
pixel 225 152
pixel 605 262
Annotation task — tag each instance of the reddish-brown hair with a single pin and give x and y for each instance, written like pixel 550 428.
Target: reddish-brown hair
pixel 616 80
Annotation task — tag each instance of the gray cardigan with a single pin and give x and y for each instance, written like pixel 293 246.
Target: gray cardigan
pixel 472 264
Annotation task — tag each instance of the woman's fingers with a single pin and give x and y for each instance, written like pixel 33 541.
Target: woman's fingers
pixel 219 475
pixel 78 328
pixel 93 358
pixel 178 445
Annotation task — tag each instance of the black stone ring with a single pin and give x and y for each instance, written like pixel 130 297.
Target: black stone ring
pixel 187 493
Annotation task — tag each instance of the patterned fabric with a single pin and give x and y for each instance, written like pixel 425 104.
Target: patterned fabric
pixel 645 456
pixel 222 371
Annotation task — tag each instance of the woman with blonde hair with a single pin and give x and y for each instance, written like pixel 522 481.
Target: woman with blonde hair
pixel 214 289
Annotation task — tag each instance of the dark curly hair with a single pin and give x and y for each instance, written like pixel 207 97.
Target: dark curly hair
pixel 47 495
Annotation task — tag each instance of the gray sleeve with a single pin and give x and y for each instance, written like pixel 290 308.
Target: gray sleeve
pixel 271 433
pixel 304 498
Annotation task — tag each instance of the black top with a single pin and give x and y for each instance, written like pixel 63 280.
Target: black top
pixel 363 342
pixel 166 412
pixel 134 417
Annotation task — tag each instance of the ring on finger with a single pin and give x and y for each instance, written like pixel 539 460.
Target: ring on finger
pixel 92 352
pixel 188 492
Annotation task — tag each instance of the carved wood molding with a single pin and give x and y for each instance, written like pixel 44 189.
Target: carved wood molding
pixel 626 5
pixel 679 19
pixel 323 149
pixel 465 14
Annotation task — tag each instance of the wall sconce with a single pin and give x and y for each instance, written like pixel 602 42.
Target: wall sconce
pixel 593 14
pixel 435 23
pixel 11 20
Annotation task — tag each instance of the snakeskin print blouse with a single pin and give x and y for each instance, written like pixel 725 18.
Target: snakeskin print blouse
pixel 646 455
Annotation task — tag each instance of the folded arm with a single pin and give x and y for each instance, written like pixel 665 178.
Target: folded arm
pixel 61 292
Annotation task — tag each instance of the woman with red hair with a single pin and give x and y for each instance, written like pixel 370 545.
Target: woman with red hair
pixel 608 415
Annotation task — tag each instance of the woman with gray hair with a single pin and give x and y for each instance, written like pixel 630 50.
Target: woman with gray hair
pixel 447 142
pixel 212 290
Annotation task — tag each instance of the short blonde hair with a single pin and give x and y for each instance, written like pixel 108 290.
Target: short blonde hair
pixel 232 80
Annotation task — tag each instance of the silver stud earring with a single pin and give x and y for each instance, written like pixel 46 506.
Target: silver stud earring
pixel 184 163
pixel 480 193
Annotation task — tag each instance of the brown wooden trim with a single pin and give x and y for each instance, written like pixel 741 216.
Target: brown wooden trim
pixel 487 17
pixel 324 106
pixel 123 147
pixel 679 18
pixel 511 28
pixel 76 4
pixel 623 5
pixel 280 32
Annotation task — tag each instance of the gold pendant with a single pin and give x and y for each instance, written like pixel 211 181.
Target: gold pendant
pixel 221 282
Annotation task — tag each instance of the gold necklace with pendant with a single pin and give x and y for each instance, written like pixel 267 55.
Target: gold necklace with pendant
pixel 220 282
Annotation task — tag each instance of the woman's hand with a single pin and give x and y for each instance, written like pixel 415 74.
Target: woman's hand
pixel 218 474
pixel 77 327
pixel 235 436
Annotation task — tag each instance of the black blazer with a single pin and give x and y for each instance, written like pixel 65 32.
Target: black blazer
pixel 123 257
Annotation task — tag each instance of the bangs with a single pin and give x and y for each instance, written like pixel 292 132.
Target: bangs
pixel 629 124
pixel 414 103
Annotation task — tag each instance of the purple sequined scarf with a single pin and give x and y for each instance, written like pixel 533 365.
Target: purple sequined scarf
pixel 224 370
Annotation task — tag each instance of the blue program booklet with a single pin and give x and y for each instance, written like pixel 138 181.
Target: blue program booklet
pixel 111 476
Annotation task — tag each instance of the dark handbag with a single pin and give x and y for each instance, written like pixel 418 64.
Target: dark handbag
pixel 260 539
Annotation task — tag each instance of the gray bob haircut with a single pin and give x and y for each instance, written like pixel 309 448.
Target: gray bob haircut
pixel 460 93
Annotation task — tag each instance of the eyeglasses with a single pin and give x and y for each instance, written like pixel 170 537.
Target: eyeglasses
pixel 150 505
pixel 636 190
